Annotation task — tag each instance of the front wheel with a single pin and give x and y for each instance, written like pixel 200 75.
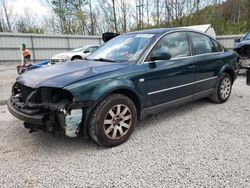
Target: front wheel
pixel 223 89
pixel 113 120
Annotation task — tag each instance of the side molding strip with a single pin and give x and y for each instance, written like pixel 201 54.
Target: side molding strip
pixel 171 88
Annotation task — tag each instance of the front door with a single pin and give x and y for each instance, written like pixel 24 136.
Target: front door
pixel 173 78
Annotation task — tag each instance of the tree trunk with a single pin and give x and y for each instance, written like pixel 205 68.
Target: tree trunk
pixel 248 16
pixel 158 12
pixel 115 22
pixel 91 18
pixel 7 16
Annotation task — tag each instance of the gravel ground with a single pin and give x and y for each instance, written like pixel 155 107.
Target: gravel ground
pixel 200 144
pixel 8 74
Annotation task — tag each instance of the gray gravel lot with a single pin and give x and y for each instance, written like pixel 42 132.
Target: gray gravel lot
pixel 8 74
pixel 197 145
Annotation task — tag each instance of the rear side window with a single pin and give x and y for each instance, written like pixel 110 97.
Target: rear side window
pixel 174 43
pixel 217 47
pixel 202 44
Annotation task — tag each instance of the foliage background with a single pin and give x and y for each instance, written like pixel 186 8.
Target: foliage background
pixel 93 17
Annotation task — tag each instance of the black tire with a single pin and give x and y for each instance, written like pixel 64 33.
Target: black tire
pixel 101 112
pixel 218 96
pixel 76 58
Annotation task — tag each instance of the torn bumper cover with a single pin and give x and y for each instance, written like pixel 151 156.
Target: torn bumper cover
pixel 38 119
pixel 47 109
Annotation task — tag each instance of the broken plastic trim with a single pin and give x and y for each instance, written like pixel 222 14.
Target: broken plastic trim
pixel 49 105
pixel 72 122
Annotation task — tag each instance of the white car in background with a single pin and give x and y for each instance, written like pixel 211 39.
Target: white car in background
pixel 75 54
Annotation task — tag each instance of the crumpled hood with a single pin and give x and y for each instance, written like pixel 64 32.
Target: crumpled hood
pixel 242 43
pixel 63 74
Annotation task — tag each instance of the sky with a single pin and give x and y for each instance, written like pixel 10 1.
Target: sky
pixel 35 6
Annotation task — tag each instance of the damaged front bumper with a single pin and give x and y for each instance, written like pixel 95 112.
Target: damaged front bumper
pixel 244 63
pixel 38 119
pixel 59 115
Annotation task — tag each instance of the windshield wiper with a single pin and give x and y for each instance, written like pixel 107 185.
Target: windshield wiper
pixel 103 59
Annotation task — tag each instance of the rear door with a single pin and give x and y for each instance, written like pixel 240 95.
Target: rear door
pixel 207 53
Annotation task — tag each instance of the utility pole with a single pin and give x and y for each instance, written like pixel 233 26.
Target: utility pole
pixel 139 14
pixel 158 12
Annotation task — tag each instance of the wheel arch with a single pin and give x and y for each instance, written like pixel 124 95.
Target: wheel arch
pixel 131 95
pixel 74 56
pixel 128 92
pixel 230 71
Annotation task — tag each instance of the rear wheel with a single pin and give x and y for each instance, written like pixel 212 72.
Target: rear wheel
pixel 223 89
pixel 113 120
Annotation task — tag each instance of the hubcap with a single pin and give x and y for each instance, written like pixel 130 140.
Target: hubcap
pixel 225 88
pixel 117 121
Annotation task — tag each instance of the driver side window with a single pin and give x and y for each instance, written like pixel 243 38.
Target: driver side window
pixel 175 44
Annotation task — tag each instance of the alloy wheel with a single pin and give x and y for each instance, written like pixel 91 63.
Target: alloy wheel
pixel 225 88
pixel 117 121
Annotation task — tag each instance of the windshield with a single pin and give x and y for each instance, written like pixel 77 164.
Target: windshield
pixel 78 49
pixel 247 37
pixel 123 48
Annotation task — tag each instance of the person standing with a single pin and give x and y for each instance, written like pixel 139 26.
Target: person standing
pixel 26 54
pixel 25 59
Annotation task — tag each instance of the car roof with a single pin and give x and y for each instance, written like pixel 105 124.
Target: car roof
pixel 86 46
pixel 90 45
pixel 157 30
pixel 161 31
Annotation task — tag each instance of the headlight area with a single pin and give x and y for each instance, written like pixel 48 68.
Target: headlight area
pixel 55 106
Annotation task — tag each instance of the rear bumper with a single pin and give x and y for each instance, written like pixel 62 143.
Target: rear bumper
pixel 38 119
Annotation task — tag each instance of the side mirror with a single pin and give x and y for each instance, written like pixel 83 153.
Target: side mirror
pixel 160 56
pixel 86 51
pixel 237 40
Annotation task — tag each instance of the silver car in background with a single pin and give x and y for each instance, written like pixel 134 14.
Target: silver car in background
pixel 75 54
